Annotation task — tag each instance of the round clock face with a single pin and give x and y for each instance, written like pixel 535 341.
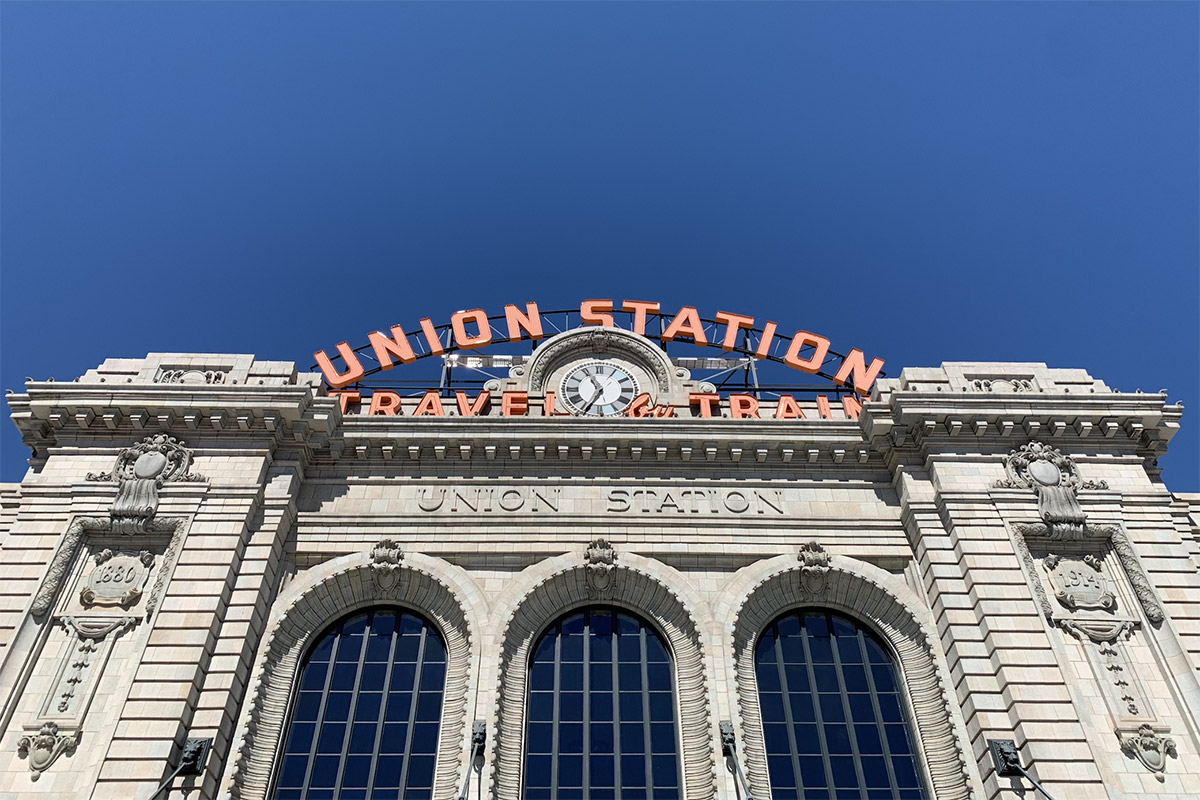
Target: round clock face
pixel 598 389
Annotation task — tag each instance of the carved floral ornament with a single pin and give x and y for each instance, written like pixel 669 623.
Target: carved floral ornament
pixel 386 558
pixel 815 566
pixel 140 472
pixel 1053 477
pixel 1149 747
pixel 44 747
pixel 599 561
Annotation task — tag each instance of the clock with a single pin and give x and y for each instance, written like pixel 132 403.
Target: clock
pixel 598 389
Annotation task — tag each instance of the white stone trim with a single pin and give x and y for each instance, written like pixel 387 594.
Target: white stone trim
pixel 437 590
pixel 662 595
pixel 762 591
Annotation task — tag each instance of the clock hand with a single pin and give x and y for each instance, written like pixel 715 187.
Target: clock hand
pixel 599 392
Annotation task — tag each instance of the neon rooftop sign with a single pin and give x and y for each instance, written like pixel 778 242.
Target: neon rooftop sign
pixel 474 329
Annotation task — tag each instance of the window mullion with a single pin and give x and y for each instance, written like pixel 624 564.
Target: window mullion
pixel 841 676
pixel 312 750
pixel 816 695
pixel 788 718
pixel 387 682
pixel 362 657
pixel 412 712
pixel 587 711
pixel 554 743
pixel 616 696
pixel 887 750
pixel 648 750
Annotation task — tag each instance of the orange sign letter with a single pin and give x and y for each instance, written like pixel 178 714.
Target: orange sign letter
pixel 385 348
pixel 529 322
pixel 336 379
pixel 639 309
pixel 813 362
pixel 686 323
pixel 458 323
pixel 863 376
pixel 733 322
pixel 592 312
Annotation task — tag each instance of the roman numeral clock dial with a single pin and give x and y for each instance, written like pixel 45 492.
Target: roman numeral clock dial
pixel 598 389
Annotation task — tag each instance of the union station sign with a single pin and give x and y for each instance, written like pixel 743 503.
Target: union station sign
pixel 603 374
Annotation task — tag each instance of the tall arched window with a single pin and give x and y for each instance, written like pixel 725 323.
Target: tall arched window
pixel 601 712
pixel 364 721
pixel 833 716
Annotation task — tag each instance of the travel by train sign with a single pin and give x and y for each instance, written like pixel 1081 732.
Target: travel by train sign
pixel 737 335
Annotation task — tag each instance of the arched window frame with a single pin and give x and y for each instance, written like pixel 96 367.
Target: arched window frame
pixel 650 627
pixel 660 595
pixel 907 709
pixel 310 646
pixel 440 592
pixel 760 593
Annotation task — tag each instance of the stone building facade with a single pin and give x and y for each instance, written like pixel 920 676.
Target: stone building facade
pixel 192 525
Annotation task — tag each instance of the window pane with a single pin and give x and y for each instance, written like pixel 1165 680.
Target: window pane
pixel 848 739
pixel 350 739
pixel 621 730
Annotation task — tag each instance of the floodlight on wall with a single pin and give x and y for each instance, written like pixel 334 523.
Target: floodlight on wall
pixel 1007 762
pixel 191 762
pixel 729 748
pixel 475 763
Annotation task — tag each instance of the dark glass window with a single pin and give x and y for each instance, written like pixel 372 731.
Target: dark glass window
pixel 601 712
pixel 833 717
pixel 365 717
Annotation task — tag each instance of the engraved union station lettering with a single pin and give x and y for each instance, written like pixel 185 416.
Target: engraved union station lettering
pixel 548 500
pixel 695 501
pixel 511 500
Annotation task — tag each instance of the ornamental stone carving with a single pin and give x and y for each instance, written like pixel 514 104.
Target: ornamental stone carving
pixel 596 341
pixel 1054 478
pixel 1124 689
pixel 140 472
pixel 197 376
pixel 600 561
pixel 386 558
pixel 44 747
pixel 1079 582
pixel 82 663
pixel 1149 747
pixel 1001 385
pixel 1113 534
pixel 117 579
pixel 815 567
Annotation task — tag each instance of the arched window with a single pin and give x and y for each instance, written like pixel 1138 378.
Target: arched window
pixel 601 712
pixel 833 716
pixel 364 721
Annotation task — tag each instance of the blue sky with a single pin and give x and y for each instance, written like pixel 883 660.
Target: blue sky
pixel 929 181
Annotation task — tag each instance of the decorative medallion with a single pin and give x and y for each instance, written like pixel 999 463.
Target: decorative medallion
pixel 816 566
pixel 599 561
pixel 386 557
pixel 44 747
pixel 1079 582
pixel 1002 385
pixel 1053 477
pixel 140 472
pixel 1150 748
pixel 117 579
pixel 196 376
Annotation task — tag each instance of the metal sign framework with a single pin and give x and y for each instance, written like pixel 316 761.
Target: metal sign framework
pixel 464 368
